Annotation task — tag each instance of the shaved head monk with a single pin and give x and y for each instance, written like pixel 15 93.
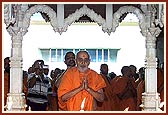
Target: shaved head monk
pixel 81 86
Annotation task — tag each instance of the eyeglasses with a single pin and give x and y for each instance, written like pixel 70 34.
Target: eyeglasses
pixel 80 60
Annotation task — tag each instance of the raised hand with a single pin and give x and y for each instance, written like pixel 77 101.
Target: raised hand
pixel 85 83
pixel 82 85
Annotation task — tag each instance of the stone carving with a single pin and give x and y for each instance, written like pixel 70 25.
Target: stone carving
pixel 160 20
pixel 81 12
pixel 14 102
pixel 130 9
pixel 6 14
pixel 151 102
pixel 39 8
pixel 154 30
pixel 18 23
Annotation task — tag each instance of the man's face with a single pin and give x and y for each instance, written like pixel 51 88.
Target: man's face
pixel 70 60
pixel 46 71
pixel 82 61
pixel 57 72
pixel 104 69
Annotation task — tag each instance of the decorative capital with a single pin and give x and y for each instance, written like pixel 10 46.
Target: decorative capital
pixel 155 31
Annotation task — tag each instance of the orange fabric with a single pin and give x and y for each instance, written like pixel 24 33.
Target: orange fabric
pixel 116 100
pixel 113 81
pixel 160 84
pixel 108 103
pixel 160 77
pixel 120 85
pixel 6 86
pixel 140 90
pixel 119 88
pixel 73 79
pixel 54 99
pixel 138 81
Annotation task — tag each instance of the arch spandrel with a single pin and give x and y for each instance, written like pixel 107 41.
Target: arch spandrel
pixel 130 9
pixel 39 8
pixel 84 11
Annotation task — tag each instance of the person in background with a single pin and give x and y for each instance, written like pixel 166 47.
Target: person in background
pixel 140 82
pixel 160 84
pixel 125 89
pixel 115 98
pixel 104 71
pixel 6 78
pixel 107 104
pixel 70 62
pixel 30 70
pixel 46 70
pixel 25 88
pixel 134 73
pixel 54 74
pixel 141 74
pixel 39 88
pixel 81 86
pixel 45 74
pixel 112 75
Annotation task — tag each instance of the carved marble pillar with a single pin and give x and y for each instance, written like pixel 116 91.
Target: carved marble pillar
pixel 16 99
pixel 150 98
pixel 107 27
pixel 60 17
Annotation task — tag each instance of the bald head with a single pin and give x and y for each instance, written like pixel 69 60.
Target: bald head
pixel 84 53
pixel 126 71
pixel 82 60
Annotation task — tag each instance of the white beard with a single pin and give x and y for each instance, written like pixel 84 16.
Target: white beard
pixel 82 69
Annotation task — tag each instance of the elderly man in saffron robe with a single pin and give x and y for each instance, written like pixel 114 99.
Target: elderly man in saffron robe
pixel 81 83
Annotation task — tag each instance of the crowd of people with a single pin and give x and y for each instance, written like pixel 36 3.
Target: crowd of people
pixel 80 88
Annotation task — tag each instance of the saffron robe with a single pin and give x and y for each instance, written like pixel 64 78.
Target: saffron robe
pixel 108 103
pixel 126 96
pixel 73 79
pixel 6 86
pixel 116 100
pixel 160 85
pixel 140 90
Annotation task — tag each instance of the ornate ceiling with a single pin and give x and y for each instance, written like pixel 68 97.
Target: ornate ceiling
pixel 98 8
pixel 108 16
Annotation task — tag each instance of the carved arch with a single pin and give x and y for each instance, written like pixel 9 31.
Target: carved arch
pixel 81 12
pixel 39 8
pixel 130 9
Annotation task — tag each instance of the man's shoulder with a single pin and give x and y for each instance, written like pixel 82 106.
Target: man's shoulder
pixel 68 71
pixel 93 71
pixel 71 69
